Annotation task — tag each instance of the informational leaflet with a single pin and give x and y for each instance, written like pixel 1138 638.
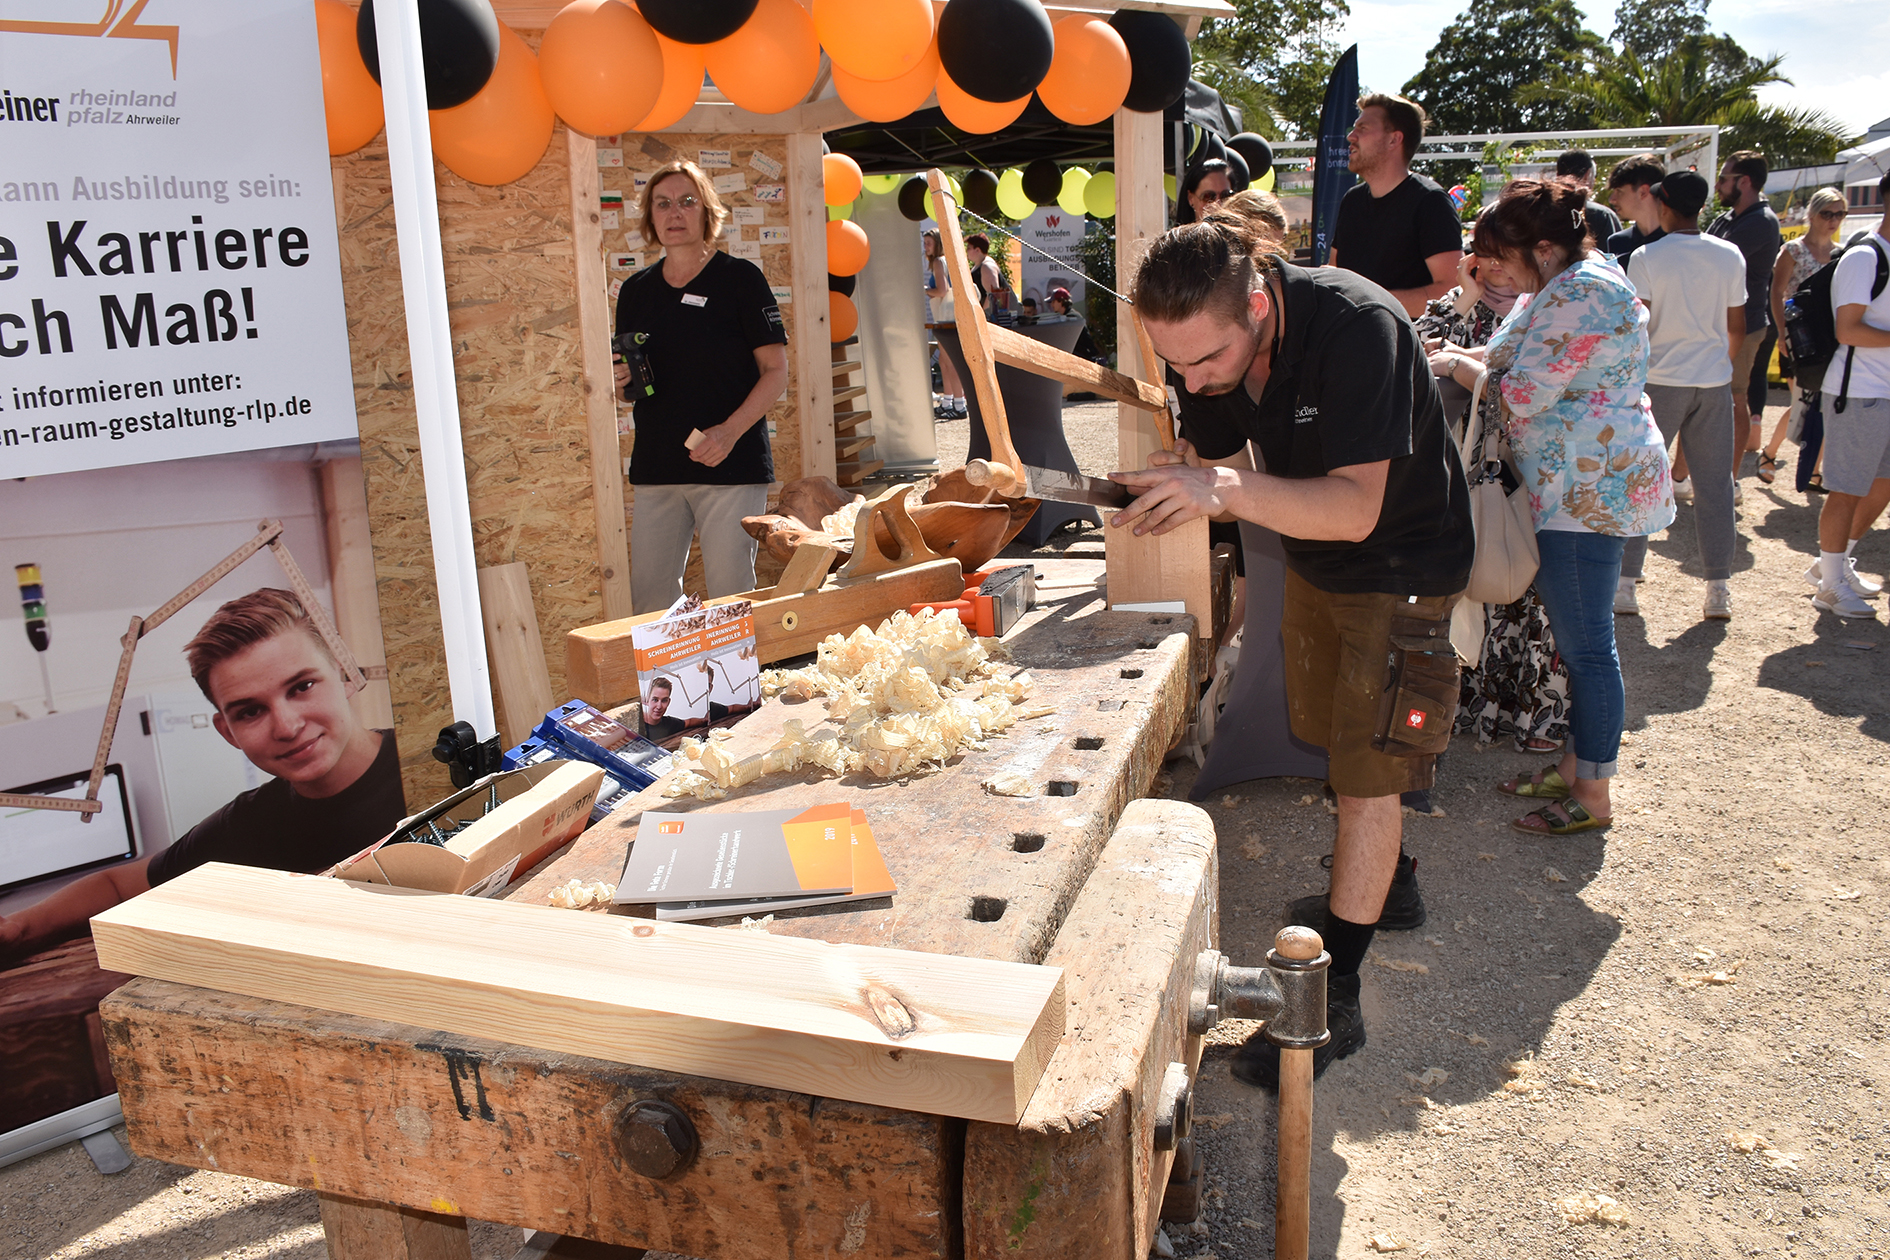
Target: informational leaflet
pixel 170 284
pixel 871 881
pixel 696 666
pixel 712 855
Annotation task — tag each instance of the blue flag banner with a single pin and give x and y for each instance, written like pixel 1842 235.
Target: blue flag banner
pixel 1332 175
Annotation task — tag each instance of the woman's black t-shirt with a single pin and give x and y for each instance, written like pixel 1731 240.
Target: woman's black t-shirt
pixel 701 346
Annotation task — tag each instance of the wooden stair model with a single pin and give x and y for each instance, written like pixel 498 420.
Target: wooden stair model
pixel 852 443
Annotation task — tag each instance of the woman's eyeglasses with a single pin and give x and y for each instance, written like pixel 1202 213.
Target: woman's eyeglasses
pixel 1211 197
pixel 1830 214
pixel 663 204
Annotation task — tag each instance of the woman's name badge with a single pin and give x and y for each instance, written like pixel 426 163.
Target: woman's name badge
pixel 694 299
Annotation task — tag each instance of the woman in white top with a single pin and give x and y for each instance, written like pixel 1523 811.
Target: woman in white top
pixel 938 301
pixel 1800 257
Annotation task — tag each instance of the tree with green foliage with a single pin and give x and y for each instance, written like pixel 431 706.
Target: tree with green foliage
pixel 1474 77
pixel 1272 59
pixel 1655 30
pixel 1694 84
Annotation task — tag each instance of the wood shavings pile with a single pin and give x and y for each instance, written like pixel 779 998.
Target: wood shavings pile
pixel 841 523
pixel 909 696
pixel 577 895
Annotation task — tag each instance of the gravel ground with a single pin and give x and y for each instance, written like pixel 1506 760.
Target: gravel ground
pixel 1668 1042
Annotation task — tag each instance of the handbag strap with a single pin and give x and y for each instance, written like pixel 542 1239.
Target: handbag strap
pixel 1473 419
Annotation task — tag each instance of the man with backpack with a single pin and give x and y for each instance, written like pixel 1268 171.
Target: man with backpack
pixel 1857 411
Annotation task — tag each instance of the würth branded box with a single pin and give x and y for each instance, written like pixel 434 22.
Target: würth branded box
pixel 462 846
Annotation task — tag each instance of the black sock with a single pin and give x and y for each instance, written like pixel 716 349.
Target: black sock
pixel 1346 942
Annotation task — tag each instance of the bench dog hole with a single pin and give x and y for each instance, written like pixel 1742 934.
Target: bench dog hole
pixel 1147 644
pixel 987 909
pixel 1088 743
pixel 1161 621
pixel 1027 842
pixel 1060 787
pixel 1131 673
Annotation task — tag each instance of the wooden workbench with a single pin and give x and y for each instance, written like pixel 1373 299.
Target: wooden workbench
pixel 407 1131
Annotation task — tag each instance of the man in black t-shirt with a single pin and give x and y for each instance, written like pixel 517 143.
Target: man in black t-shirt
pixel 280 698
pixel 1326 377
pixel 1395 228
pixel 1631 187
pixel 1603 223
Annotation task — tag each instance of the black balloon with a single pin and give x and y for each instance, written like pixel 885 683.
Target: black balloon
pixel 996 50
pixel 1159 62
pixel 1043 181
pixel 459 46
pixel 841 284
pixel 1255 150
pixel 696 21
pixel 1213 149
pixel 980 189
pixel 1237 176
pixel 912 199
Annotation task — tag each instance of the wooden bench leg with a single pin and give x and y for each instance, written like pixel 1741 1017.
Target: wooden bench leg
pixel 360 1230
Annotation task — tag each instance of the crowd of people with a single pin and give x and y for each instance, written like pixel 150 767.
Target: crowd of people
pixel 1618 353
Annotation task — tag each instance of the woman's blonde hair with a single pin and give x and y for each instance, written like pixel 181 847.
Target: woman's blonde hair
pixel 714 213
pixel 1823 199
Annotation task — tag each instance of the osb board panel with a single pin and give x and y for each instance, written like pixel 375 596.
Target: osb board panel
pixel 512 302
pixel 627 159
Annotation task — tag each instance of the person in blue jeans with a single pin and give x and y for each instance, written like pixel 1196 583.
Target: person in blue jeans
pixel 1570 364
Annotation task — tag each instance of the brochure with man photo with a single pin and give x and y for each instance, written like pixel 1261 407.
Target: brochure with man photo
pixel 696 667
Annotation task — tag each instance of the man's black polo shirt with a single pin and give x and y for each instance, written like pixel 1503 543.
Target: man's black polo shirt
pixel 1350 384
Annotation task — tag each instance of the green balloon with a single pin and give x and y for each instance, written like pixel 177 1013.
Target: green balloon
pixel 958 197
pixel 1265 182
pixel 1170 187
pixel 840 212
pixel 1070 197
pixel 1011 197
pixel 1099 195
pixel 883 184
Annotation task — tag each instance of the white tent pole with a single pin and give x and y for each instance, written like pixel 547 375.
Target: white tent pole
pixel 430 350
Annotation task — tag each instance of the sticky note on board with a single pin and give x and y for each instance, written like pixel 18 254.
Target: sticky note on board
pixel 609 220
pixel 626 262
pixel 712 159
pixel 771 192
pixel 750 216
pixel 633 240
pixel 774 236
pixel 638 183
pixel 765 164
pixel 782 294
pixel 751 250
pixel 610 157
pixel 731 183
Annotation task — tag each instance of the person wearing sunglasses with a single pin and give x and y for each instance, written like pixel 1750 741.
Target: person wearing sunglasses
pixel 715 348
pixel 1203 187
pixel 1395 227
pixel 1801 256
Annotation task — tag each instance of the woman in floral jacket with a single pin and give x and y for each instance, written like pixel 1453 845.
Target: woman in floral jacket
pixel 1570 364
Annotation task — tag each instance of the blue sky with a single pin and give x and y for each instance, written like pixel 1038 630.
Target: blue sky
pixel 1834 51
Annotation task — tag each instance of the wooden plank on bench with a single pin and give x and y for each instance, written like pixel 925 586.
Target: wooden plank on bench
pixel 953 1036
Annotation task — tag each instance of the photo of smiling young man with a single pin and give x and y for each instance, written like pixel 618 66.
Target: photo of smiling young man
pixel 281 700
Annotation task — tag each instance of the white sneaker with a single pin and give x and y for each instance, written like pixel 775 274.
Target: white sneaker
pixel 1683 490
pixel 1718 600
pixel 1861 585
pixel 1739 494
pixel 1843 601
pixel 1626 602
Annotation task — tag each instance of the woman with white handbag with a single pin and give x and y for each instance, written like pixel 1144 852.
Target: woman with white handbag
pixel 1570 366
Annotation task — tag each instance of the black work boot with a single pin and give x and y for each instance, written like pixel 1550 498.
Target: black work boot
pixel 1258 1062
pixel 1404 907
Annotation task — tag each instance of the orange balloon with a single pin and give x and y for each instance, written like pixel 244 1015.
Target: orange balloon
pixel 967 113
pixel 847 247
pixel 841 180
pixel 843 318
pixel 350 96
pixel 682 83
pixel 874 39
pixel 601 66
pixel 892 99
pixel 499 135
pixel 769 64
pixel 1089 74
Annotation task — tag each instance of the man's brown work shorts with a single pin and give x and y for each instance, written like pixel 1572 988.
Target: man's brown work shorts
pixel 1372 678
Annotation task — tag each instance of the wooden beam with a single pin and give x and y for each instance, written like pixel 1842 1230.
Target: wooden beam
pixel 351 580
pixel 355 1229
pixel 521 683
pixel 974 339
pixel 1013 349
pixel 810 351
pixel 1174 565
pixel 600 390
pixel 951 1036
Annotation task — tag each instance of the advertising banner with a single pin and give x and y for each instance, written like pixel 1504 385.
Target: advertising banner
pixel 169 281
pixel 1332 174
pixel 174 371
pixel 1058 233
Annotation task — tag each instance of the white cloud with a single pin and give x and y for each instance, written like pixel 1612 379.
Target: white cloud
pixel 1821 45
